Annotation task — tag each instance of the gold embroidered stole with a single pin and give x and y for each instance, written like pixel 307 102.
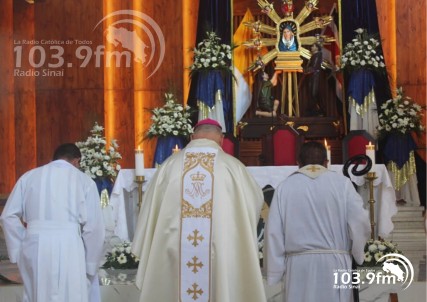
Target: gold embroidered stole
pixel 196 224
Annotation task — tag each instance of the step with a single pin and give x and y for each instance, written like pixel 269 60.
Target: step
pixel 415 256
pixel 408 218
pixel 409 225
pixel 408 236
pixel 407 247
pixel 409 214
pixel 414 245
pixel 410 209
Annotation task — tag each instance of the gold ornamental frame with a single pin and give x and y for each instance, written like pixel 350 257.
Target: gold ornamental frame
pixel 290 62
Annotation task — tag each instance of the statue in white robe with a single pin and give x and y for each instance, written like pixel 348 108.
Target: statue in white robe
pixel 59 247
pixel 316 223
pixel 234 210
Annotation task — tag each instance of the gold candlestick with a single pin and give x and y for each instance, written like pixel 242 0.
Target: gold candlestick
pixel 371 176
pixel 139 180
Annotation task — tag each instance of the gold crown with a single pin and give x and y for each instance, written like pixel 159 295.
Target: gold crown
pixel 198 176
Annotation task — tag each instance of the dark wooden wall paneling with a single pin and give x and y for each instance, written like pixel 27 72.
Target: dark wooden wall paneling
pixel 25 105
pixel 7 101
pixel 411 56
pixel 49 110
pixel 68 105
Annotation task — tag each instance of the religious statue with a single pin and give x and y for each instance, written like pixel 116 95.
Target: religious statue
pixel 312 75
pixel 288 41
pixel 267 105
pixel 287 45
pixel 287 8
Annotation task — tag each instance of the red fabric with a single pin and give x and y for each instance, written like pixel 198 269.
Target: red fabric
pixel 228 146
pixel 357 145
pixel 284 146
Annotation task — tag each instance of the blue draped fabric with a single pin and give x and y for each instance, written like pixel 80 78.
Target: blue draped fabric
pixel 214 15
pixel 397 148
pixel 209 83
pixel 358 14
pixel 363 14
pixel 361 82
pixel 164 147
pixel 104 183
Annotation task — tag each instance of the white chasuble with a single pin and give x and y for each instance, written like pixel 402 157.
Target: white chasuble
pixel 196 224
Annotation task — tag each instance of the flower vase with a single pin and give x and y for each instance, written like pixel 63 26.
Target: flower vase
pixel 362 102
pixel 115 276
pixel 211 96
pixel 164 147
pixel 105 187
pixel 208 84
pixel 398 148
pixel 400 160
pixel 361 83
pixel 104 183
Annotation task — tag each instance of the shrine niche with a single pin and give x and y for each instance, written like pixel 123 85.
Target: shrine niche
pixel 289 41
pixel 284 34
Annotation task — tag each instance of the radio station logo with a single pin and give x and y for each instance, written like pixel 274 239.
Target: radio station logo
pixel 395 269
pixel 143 44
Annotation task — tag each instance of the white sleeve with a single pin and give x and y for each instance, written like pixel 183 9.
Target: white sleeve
pixel 10 220
pixel 274 248
pixel 358 223
pixel 93 232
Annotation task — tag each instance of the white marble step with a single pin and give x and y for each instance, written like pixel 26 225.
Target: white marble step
pixel 414 224
pixel 409 232
pixel 407 211
pixel 409 235
pixel 410 208
pixel 409 218
pixel 409 247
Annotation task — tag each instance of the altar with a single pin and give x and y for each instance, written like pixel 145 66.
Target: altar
pixel 122 210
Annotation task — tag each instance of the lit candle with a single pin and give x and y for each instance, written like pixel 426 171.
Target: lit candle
pixel 328 153
pixel 176 149
pixel 370 152
pixel 139 162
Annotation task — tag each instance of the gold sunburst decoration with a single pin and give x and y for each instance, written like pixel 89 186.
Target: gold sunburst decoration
pixel 289 61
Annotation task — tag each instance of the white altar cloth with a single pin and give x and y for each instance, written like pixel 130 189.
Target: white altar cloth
pixel 124 198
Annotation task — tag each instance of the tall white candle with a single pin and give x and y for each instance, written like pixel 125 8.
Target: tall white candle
pixel 328 153
pixel 139 162
pixel 370 152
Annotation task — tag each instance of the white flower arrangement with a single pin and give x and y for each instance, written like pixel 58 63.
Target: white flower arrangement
pixel 173 119
pixel 211 54
pixel 97 160
pixel 375 249
pixel 400 115
pixel 121 257
pixel 362 52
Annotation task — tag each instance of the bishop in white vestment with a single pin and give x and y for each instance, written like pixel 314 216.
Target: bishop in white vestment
pixel 59 250
pixel 196 231
pixel 316 223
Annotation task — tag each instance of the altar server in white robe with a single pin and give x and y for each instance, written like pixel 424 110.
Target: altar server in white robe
pixel 54 230
pixel 196 231
pixel 316 223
